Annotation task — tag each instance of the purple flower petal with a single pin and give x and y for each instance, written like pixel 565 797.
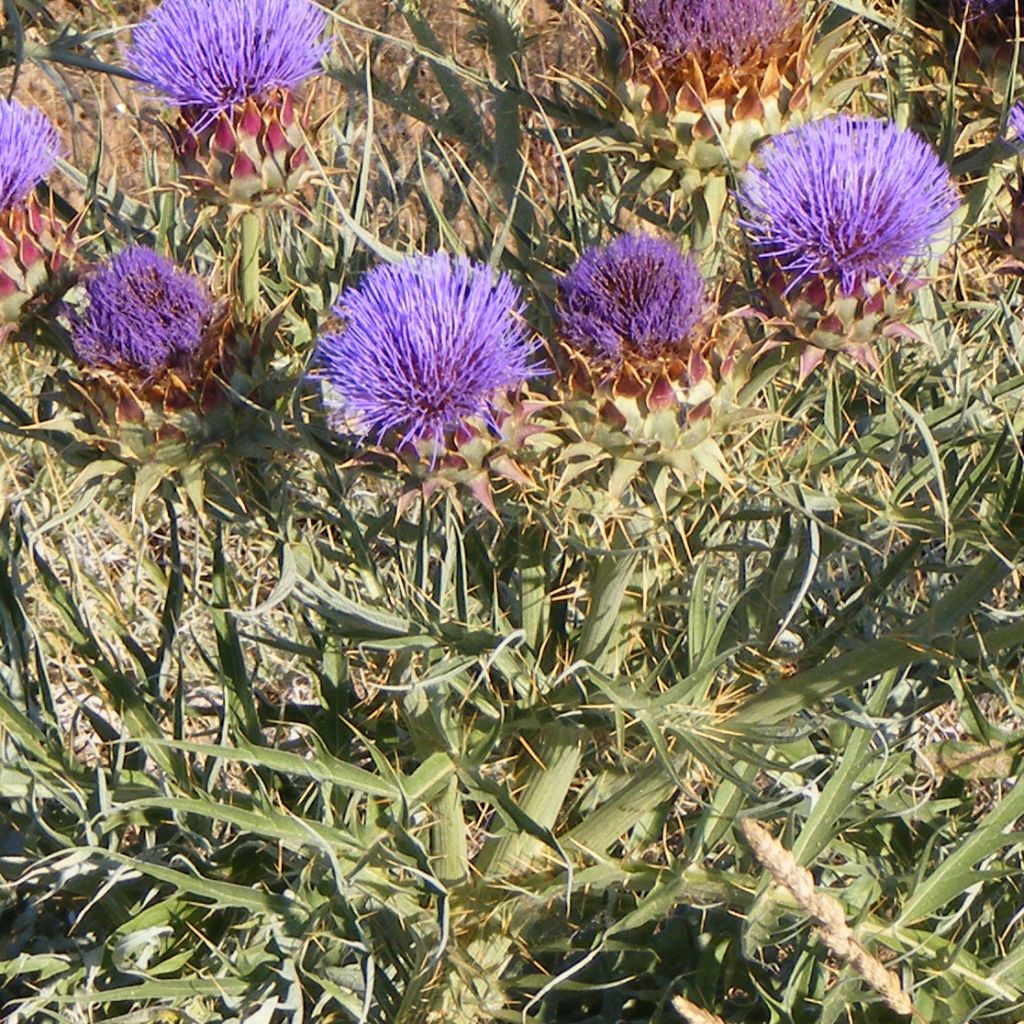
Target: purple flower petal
pixel 733 29
pixel 638 295
pixel 214 54
pixel 848 198
pixel 144 313
pixel 28 151
pixel 426 343
pixel 1015 126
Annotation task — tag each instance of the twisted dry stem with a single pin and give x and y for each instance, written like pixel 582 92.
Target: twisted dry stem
pixel 827 914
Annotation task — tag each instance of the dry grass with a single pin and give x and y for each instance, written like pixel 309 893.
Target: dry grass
pixel 109 119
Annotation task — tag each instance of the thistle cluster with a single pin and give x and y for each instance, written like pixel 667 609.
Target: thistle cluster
pixel 431 355
pixel 614 653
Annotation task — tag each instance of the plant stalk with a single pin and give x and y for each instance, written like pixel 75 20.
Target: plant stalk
pixel 248 265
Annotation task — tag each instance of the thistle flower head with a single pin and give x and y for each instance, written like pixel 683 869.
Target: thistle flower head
pixel 144 314
pixel 847 198
pixel 28 151
pixel 1015 126
pixel 639 295
pixel 425 343
pixel 210 55
pixel 731 29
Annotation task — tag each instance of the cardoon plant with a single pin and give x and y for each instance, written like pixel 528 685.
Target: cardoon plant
pixel 32 241
pixel 148 340
pixel 702 81
pixel 167 379
pixel 428 351
pixel 845 211
pixel 645 382
pixel 229 67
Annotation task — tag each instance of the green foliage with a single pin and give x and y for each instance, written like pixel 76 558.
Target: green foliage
pixel 283 739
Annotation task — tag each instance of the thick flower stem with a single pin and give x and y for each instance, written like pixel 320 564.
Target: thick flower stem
pixel 248 266
pixel 449 833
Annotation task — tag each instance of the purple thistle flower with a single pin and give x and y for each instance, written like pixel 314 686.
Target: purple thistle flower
pixel 28 151
pixel 426 343
pixel 1015 126
pixel 638 295
pixel 732 29
pixel 145 313
pixel 213 54
pixel 849 198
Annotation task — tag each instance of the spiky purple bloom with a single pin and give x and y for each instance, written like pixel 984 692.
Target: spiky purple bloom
pixel 847 198
pixel 732 29
pixel 1015 126
pixel 144 313
pixel 426 343
pixel 28 151
pixel 210 55
pixel 639 295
